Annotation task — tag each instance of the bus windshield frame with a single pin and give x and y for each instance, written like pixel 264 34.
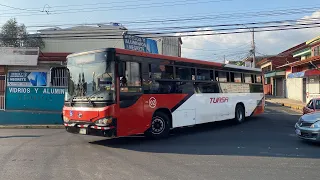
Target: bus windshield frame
pixel 91 79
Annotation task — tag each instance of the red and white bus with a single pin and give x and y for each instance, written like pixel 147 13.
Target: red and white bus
pixel 116 92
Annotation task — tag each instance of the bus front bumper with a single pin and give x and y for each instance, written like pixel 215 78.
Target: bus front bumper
pixel 91 129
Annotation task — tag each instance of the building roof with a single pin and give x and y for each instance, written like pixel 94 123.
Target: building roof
pixel 302 62
pixel 277 60
pixel 53 56
pixel 294 49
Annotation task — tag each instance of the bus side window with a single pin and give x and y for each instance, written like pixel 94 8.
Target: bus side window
pixel 208 87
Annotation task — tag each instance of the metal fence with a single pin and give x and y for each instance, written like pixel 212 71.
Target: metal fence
pixel 2 91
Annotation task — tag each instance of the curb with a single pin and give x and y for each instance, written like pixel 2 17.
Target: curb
pixel 32 127
pixel 289 105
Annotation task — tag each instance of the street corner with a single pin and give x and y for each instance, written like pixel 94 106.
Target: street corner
pixel 293 106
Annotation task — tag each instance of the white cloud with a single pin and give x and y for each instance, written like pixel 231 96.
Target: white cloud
pixel 236 46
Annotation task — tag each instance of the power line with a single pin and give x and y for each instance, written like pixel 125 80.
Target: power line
pixel 11 7
pixel 204 17
pixel 216 50
pixel 192 35
pixel 182 33
pixel 95 9
pixel 187 29
pixel 231 30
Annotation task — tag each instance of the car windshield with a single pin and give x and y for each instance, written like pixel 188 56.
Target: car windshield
pixel 91 76
pixel 317 104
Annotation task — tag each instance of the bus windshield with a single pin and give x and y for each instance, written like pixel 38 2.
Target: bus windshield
pixel 91 78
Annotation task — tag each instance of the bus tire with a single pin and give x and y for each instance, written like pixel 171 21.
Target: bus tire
pixel 239 114
pixel 159 127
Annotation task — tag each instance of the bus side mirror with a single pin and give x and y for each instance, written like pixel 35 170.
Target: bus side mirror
pixel 121 71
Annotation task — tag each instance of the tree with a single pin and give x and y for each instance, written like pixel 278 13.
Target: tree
pixel 14 35
pixel 238 63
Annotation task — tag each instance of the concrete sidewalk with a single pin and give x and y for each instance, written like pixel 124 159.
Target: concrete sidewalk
pixel 32 126
pixel 293 104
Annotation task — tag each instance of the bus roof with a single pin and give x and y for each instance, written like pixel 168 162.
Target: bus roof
pixel 165 57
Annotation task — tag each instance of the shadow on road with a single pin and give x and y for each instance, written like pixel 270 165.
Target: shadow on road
pixel 270 135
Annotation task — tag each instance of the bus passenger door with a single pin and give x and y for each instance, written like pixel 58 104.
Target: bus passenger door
pixel 130 100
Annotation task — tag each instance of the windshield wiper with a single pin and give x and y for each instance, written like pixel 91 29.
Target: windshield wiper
pixel 89 97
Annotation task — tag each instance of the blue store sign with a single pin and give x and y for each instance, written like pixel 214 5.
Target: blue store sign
pixel 142 44
pixel 35 98
pixel 21 78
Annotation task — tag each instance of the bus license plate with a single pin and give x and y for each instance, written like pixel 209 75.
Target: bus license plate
pixel 298 132
pixel 83 131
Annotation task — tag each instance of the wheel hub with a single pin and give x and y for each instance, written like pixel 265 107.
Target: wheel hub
pixel 157 126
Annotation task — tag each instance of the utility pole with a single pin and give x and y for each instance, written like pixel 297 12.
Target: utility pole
pixel 224 58
pixel 253 50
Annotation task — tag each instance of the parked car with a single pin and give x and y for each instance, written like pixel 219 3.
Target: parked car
pixel 312 106
pixel 308 127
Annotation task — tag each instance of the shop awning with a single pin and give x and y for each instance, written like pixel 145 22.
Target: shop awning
pixel 296 75
pixel 311 72
pixel 276 73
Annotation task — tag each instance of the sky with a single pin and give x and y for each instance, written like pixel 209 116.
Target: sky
pixel 36 13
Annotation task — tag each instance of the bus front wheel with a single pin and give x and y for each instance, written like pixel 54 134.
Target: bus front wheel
pixel 159 127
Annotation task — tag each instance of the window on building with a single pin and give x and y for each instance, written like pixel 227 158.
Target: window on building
pixel 59 77
pixel 253 78
pixel 258 79
pixel 231 77
pixel 237 77
pixel 247 78
pixel 222 76
pixel 267 80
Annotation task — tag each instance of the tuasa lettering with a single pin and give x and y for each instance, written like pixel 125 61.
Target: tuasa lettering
pixel 219 100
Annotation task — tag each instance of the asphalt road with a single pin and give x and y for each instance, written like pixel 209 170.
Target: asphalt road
pixel 263 147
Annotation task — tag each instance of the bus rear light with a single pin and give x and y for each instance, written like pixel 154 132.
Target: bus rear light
pixel 104 121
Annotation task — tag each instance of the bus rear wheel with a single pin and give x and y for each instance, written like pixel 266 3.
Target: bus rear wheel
pixel 239 114
pixel 159 127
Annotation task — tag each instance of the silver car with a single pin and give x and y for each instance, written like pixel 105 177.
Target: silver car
pixel 308 127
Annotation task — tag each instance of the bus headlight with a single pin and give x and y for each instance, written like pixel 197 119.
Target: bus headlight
pixel 104 121
pixel 65 119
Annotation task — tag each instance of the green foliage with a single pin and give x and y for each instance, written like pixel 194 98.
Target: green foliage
pixel 14 35
pixel 238 63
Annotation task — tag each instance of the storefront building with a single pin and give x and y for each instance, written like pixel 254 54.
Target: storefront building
pixel 29 90
pixel 303 82
pixel 275 79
